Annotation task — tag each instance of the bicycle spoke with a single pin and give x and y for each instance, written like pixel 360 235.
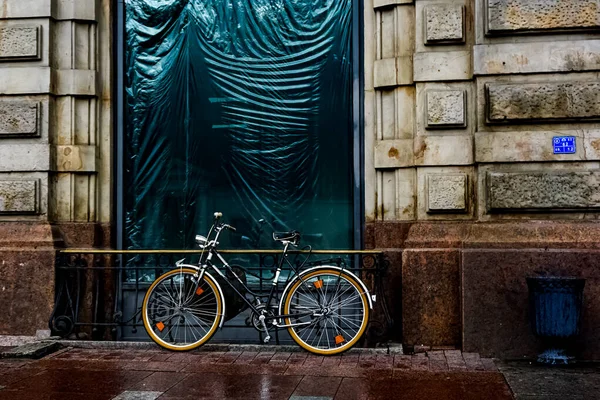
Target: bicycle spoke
pixel 344 331
pixel 177 325
pixel 327 334
pixel 192 332
pixel 162 302
pixel 320 337
pixel 338 296
pixel 190 292
pixel 170 297
pixel 347 301
pixel 180 289
pixel 348 320
pixel 201 302
pixel 312 330
pixel 309 298
pixel 309 295
pixel 200 311
pixel 169 330
pixel 200 323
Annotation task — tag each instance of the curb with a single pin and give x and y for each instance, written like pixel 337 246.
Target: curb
pixel 33 350
pixel 13 341
pixel 116 345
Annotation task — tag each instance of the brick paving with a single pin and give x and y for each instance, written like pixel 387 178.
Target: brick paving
pixel 92 374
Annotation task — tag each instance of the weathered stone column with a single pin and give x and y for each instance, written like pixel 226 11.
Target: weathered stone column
pixel 54 146
pixel 390 96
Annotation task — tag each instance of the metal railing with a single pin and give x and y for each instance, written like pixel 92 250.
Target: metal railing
pixel 99 292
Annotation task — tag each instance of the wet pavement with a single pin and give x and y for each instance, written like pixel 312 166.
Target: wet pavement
pixel 530 381
pixel 94 374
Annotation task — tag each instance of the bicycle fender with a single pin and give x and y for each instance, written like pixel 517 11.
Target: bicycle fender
pixel 360 282
pixel 221 295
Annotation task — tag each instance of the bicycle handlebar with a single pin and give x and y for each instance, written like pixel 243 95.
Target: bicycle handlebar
pixel 218 215
pixel 229 227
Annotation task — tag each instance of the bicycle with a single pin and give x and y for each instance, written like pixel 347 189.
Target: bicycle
pixel 325 308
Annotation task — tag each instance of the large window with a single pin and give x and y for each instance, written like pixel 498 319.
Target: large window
pixel 239 106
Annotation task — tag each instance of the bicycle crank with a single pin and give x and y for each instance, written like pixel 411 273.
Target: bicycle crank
pixel 254 319
pixel 264 325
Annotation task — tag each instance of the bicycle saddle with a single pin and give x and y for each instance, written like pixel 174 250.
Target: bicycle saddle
pixel 292 236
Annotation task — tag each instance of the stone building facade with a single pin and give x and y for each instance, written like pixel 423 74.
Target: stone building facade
pixel 55 146
pixel 463 189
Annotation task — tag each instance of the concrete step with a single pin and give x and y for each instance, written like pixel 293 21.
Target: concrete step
pixel 31 350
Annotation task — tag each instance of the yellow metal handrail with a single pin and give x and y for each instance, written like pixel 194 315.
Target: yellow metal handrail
pixel 155 251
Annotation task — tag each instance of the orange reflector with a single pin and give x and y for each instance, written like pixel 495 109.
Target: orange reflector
pixel 199 291
pixel 339 339
pixel 161 326
pixel 319 284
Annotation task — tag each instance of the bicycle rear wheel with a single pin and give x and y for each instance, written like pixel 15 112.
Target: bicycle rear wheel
pixel 332 311
pixel 179 314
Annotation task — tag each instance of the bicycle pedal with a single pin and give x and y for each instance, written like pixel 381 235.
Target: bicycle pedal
pixel 267 339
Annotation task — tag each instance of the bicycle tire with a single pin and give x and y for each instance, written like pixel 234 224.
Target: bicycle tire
pixel 346 332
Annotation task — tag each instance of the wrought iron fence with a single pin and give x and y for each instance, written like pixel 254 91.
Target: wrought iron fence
pixel 99 292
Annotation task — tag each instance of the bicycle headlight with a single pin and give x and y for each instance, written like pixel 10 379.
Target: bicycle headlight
pixel 201 241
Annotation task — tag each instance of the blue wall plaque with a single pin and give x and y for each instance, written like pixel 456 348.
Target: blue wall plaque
pixel 564 144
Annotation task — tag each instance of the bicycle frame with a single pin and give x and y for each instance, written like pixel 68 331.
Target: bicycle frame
pixel 213 252
pixel 271 295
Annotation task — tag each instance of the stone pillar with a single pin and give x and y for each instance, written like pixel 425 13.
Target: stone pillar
pixel 463 100
pixel 54 145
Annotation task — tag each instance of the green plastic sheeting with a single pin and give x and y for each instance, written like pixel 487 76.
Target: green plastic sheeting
pixel 239 106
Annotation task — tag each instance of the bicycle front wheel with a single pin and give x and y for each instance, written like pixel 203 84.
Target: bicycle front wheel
pixel 179 313
pixel 328 310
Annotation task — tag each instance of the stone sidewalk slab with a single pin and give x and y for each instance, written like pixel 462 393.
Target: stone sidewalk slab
pixel 530 381
pixel 109 374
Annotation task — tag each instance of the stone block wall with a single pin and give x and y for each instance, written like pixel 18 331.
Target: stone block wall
pixel 462 101
pixel 55 154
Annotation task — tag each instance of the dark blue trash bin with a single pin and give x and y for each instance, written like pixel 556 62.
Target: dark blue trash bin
pixel 556 304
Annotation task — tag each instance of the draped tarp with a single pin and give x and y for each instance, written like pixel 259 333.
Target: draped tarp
pixel 239 106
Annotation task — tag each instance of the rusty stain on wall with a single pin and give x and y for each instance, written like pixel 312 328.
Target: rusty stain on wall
pixel 420 150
